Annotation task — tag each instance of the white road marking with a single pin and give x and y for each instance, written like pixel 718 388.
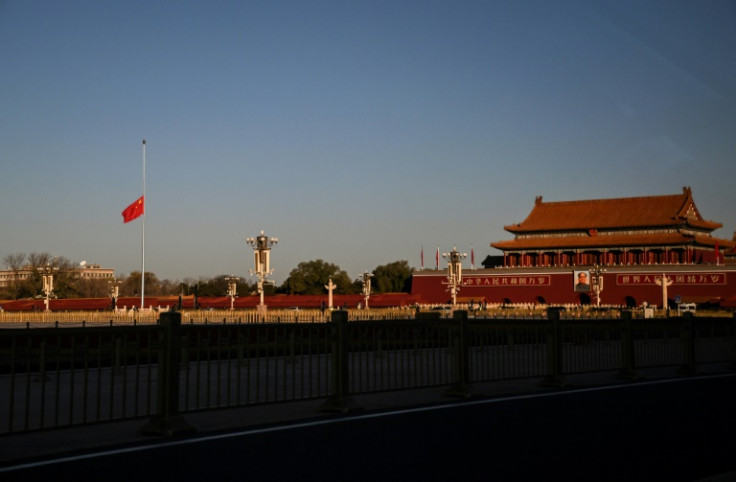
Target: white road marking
pixel 349 418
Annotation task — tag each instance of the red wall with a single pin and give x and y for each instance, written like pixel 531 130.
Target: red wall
pixel 697 284
pixel 220 302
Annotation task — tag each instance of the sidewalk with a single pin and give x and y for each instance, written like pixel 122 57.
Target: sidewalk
pixel 45 444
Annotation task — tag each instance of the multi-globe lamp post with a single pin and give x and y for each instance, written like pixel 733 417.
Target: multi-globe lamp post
pixel 454 272
pixel 262 245
pixel 48 285
pixel 113 291
pixel 596 281
pixel 365 280
pixel 232 290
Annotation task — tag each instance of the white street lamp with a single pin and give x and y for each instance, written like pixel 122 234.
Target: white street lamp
pixel 48 285
pixel 232 290
pixel 365 280
pixel 113 292
pixel 596 274
pixel 454 272
pixel 261 245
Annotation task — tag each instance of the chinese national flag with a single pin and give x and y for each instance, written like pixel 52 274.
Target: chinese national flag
pixel 133 211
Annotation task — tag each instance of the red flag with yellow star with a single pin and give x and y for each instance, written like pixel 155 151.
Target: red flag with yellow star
pixel 133 211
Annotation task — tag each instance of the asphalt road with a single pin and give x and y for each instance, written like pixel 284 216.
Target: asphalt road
pixel 672 430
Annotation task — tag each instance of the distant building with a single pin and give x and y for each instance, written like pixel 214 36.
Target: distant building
pixel 95 271
pixel 633 241
pixel 91 271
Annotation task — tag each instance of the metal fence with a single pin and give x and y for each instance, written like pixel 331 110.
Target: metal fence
pixel 55 377
pixel 126 317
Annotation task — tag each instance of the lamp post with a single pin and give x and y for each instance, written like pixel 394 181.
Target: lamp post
pixel 454 272
pixel 365 280
pixel 261 245
pixel 232 290
pixel 113 292
pixel 48 285
pixel 596 281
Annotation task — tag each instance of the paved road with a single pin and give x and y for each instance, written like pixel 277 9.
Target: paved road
pixel 672 430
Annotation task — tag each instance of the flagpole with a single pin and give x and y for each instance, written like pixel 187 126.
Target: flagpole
pixel 143 231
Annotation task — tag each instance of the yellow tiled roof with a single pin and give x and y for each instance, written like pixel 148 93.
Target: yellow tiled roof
pixel 633 212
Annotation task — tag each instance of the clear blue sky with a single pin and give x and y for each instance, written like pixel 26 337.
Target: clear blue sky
pixel 356 132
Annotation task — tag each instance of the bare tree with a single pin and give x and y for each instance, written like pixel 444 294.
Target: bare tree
pixel 65 276
pixel 92 288
pixel 38 260
pixel 15 263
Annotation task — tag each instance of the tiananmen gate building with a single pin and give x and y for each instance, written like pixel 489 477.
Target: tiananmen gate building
pixel 628 243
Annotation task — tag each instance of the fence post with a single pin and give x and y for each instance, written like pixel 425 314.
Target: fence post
pixel 628 359
pixel 461 386
pixel 339 399
pixel 117 367
pixel 167 421
pixel 554 376
pixel 687 335
pixel 732 366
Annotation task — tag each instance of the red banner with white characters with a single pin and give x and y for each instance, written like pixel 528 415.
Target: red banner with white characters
pixel 677 279
pixel 506 281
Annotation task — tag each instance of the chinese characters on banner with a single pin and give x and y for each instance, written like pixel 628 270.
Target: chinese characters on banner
pixel 621 279
pixel 677 279
pixel 505 281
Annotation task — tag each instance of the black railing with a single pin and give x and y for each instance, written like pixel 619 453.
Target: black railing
pixel 56 377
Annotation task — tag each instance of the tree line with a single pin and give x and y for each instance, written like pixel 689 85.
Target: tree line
pixel 308 278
